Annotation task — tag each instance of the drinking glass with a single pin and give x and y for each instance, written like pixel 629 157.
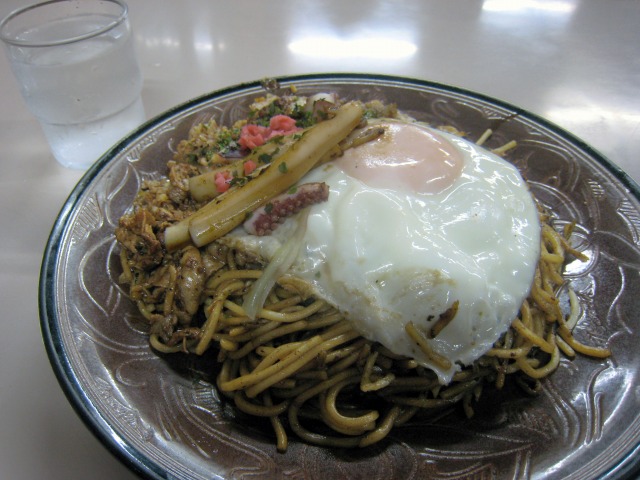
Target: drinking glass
pixel 78 73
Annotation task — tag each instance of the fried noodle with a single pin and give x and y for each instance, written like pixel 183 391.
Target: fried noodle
pixel 300 364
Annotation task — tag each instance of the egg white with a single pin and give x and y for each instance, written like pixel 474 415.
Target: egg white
pixel 388 256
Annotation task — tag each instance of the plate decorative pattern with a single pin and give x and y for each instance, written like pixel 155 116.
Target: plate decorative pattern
pixel 163 417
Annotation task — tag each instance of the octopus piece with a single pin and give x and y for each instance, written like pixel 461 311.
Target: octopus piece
pixel 266 219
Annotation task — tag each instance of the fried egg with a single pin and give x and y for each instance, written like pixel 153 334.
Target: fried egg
pixel 416 222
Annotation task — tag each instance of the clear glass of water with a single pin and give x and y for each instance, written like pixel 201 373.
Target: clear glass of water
pixel 78 73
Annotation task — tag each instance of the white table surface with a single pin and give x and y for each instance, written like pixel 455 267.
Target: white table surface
pixel 576 63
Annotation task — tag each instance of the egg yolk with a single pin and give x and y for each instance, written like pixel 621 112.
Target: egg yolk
pixel 405 157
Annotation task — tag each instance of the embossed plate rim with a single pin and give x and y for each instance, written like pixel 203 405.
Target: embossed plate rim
pixel 51 332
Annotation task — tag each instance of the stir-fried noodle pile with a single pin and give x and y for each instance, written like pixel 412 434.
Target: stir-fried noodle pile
pixel 299 363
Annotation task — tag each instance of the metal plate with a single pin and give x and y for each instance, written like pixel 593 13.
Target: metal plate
pixel 164 419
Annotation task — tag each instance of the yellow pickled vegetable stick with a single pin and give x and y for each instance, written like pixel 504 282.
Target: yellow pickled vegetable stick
pixel 226 212
pixel 203 187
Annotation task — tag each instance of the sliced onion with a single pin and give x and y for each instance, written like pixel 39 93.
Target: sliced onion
pixel 279 264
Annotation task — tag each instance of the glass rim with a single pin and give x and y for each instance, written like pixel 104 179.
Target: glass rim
pixel 11 40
